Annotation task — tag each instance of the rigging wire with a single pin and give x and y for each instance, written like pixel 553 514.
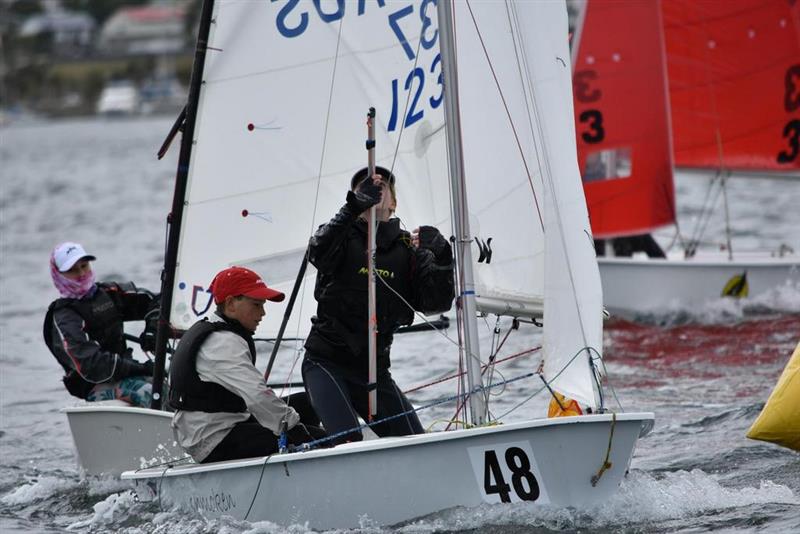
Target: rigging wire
pixel 518 405
pixel 402 119
pixel 493 350
pixel 706 211
pixel 311 444
pixel 611 386
pixel 460 396
pixel 298 346
pixel 460 372
pixel 678 235
pixel 490 366
pixel 508 112
pixel 258 486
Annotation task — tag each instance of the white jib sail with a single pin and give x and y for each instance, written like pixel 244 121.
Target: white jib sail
pixel 573 291
pixel 523 183
pixel 280 131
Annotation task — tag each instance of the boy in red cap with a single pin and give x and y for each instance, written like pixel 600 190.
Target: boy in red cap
pixel 224 409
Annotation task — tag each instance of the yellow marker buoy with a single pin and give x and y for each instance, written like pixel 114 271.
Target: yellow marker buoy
pixel 737 286
pixel 779 421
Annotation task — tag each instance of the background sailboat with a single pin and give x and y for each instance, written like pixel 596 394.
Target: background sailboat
pixel 734 84
pixel 277 137
pixel 676 79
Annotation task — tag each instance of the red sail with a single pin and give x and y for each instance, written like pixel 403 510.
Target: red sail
pixel 734 81
pixel 621 118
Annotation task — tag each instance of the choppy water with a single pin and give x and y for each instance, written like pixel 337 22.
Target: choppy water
pixel 705 372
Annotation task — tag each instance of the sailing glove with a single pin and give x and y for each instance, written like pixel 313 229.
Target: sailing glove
pixel 430 238
pixel 147 339
pixel 299 434
pixel 366 195
pixel 129 367
pixel 148 367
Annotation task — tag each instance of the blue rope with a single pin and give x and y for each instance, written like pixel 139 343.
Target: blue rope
pixel 311 444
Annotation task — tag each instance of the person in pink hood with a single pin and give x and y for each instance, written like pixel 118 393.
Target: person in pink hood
pixel 84 330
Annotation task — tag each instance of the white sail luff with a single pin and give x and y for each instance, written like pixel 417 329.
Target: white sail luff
pixel 573 294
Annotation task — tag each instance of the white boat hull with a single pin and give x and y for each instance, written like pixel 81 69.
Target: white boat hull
pixel 112 436
pixel 641 285
pixel 392 480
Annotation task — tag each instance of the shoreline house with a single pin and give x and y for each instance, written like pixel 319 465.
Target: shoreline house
pixel 63 33
pixel 153 29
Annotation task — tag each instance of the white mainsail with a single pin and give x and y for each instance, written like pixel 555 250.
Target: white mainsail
pixel 280 131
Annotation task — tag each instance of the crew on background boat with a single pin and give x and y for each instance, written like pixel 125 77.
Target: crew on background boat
pixel 626 246
pixel 415 271
pixel 224 409
pixel 84 330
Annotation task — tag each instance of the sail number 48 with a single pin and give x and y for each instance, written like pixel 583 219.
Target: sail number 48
pixel 507 472
pixel 522 480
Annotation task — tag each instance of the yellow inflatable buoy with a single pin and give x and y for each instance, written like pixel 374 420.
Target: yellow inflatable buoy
pixel 779 421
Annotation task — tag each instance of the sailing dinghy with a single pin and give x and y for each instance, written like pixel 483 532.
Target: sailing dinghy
pixel 275 130
pixel 672 85
pixel 112 436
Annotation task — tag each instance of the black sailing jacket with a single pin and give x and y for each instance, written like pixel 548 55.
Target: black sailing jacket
pixel 422 276
pixel 86 335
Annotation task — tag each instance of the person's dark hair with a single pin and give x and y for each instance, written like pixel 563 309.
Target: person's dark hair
pixel 221 306
pixel 358 177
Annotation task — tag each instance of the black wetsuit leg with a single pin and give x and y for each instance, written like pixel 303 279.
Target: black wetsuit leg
pixel 247 439
pixel 338 394
pixel 392 401
pixel 330 396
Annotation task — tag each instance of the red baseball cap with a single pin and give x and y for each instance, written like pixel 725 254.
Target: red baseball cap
pixel 236 281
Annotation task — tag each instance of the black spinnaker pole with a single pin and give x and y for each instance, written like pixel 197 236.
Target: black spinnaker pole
pixel 176 215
